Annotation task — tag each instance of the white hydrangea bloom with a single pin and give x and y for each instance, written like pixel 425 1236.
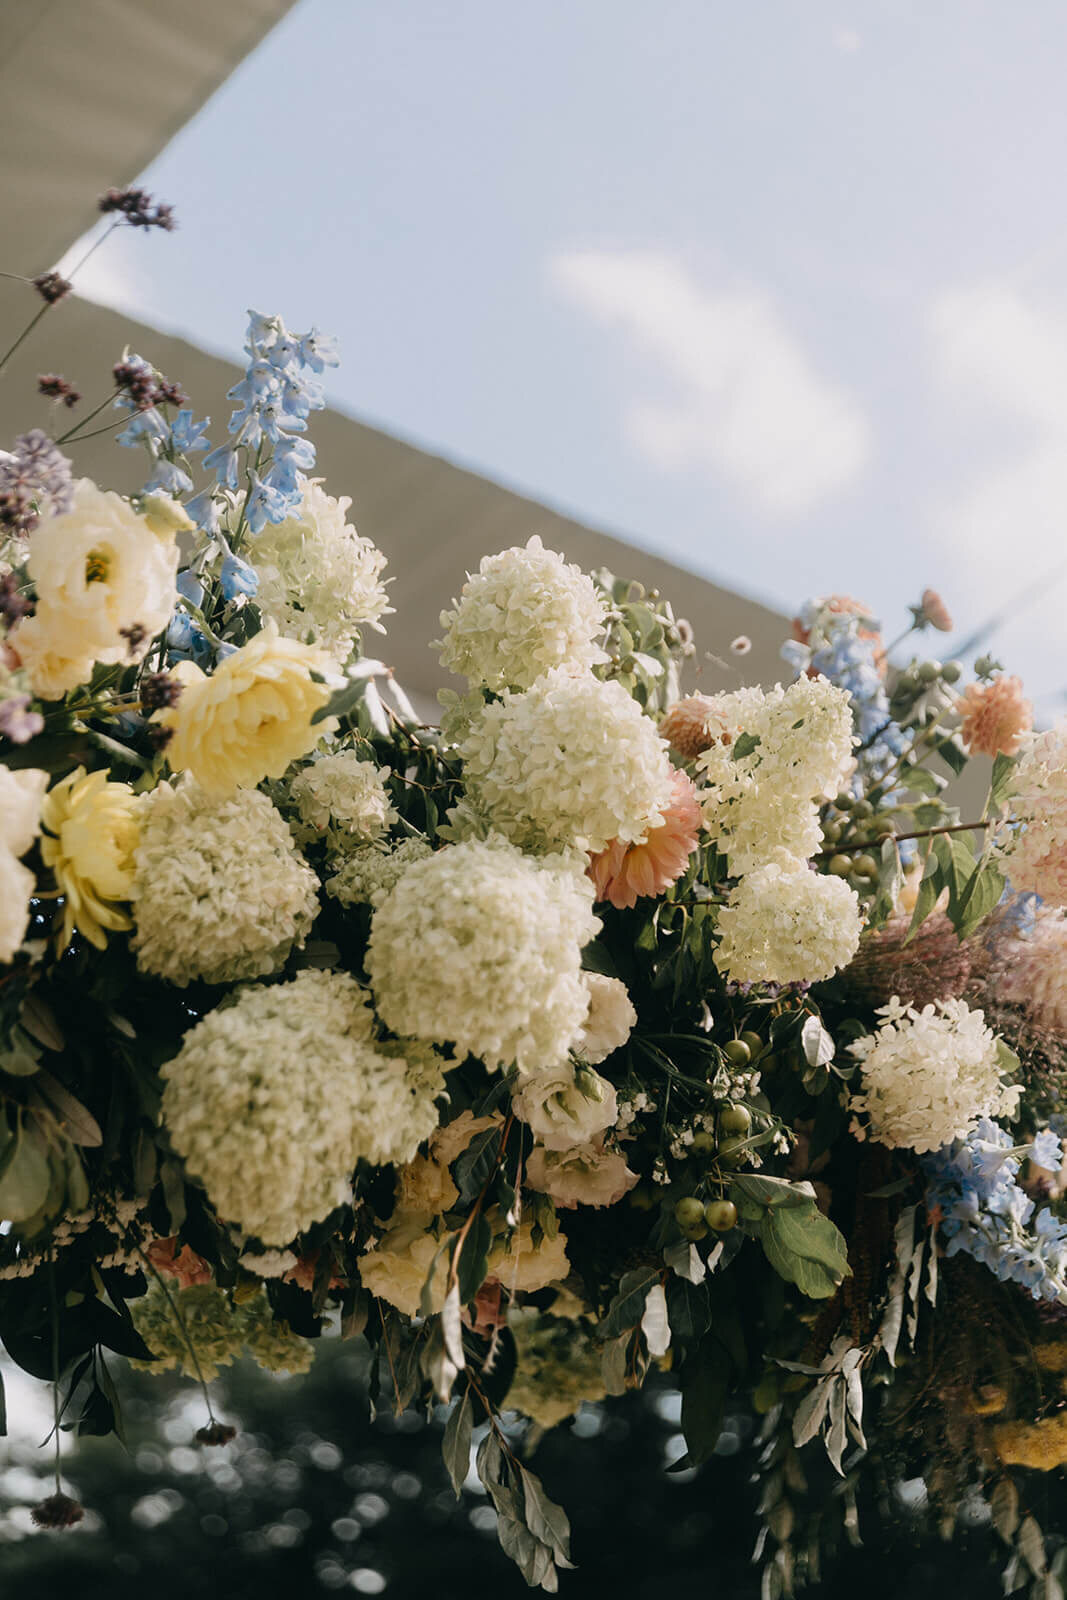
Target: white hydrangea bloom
pixel 1037 854
pixel 273 1099
pixel 368 874
pixel 480 946
pixel 220 890
pixel 524 611
pixel 786 924
pixel 318 576
pixel 797 746
pixel 928 1076
pixel 570 762
pixel 341 800
pixel 610 1021
pixel 563 1108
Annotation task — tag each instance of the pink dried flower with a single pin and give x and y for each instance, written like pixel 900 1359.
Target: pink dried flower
pixel 624 872
pixel 933 611
pixel 694 724
pixel 995 716
pixel 1033 973
pixel 184 1264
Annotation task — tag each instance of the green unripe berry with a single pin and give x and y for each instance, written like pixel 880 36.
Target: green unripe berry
pixel 735 1119
pixel 865 866
pixel 699 1230
pixel 721 1215
pixel 688 1212
pixel 737 1052
pixel 703 1142
pixel 929 671
pixel 840 866
pixel 883 827
pixel 753 1040
pixel 844 801
pixel 952 671
pixel 831 832
pixel 862 809
pixel 731 1151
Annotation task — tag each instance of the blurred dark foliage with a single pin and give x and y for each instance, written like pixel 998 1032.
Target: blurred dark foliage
pixel 313 1498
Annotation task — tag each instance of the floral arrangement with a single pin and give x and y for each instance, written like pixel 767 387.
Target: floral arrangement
pixel 602 1027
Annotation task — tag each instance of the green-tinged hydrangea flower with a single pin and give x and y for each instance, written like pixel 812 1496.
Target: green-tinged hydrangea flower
pixel 219 1330
pixel 220 890
pixel 319 580
pixel 340 801
pixel 480 946
pixel 784 923
pixel 524 611
pixel 367 875
pixel 273 1099
pixel 558 1367
pixel 572 762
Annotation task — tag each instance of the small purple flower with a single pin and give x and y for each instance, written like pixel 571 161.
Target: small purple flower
pixel 17 722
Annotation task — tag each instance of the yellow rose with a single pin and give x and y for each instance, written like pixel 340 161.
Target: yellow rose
pixel 251 718
pixel 400 1266
pixel 105 587
pixel 91 832
pixel 521 1268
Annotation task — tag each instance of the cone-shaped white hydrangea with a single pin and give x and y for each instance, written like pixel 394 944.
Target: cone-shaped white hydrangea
pixel 480 946
pixel 571 762
pixel 524 611
pixel 786 924
pixel 220 890
pixel 273 1099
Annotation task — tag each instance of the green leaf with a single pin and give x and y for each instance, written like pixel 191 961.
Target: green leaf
pixel 78 1124
pixel 805 1248
pixel 472 1170
pixel 456 1444
pixel 474 1259
pixel 28 1177
pixel 1003 781
pixel 744 745
pixel 628 1306
pixel 953 755
pixel 817 1044
pixel 929 892
pixel 546 1520
pixel 705 1383
pixel 688 1308
pixel 981 896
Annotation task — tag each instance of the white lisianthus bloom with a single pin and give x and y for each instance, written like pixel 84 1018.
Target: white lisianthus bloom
pixel 52 671
pixel 273 1099
pixel 21 794
pixel 564 1108
pixel 100 571
pixel 480 946
pixel 220 891
pixel 610 1020
pixel 784 923
pixel 524 611
pixel 585 1176
pixel 319 580
pixel 16 887
pixel 342 800
pixel 572 762
pixel 928 1076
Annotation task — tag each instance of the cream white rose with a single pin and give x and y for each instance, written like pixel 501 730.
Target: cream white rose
pixel 586 1176
pixel 21 794
pixel 16 886
pixel 399 1268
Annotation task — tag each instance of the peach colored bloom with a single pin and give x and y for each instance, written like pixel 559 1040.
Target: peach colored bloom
pixel 995 716
pixel 935 612
pixel 184 1264
pixel 694 724
pixel 623 872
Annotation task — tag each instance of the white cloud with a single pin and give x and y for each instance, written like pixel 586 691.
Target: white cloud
pixel 1000 359
pixel 749 405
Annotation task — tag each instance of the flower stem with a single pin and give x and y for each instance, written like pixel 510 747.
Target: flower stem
pixel 919 833
pixel 183 1329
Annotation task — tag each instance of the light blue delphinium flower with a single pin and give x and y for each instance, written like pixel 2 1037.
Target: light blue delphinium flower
pixel 204 511
pixel 169 477
pixel 236 577
pixel 187 435
pixel 225 463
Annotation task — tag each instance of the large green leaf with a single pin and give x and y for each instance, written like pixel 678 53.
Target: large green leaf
pixel 805 1248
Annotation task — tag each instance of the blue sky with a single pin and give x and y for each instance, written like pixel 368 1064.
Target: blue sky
pixel 777 289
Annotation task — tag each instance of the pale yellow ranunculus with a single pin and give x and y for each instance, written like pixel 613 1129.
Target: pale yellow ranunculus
pixel 91 832
pixel 398 1269
pixel 251 718
pixel 521 1267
